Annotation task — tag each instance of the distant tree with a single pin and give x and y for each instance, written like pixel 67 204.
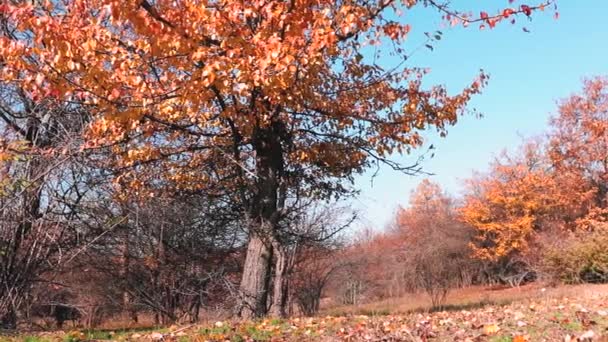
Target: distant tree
pixel 434 244
pixel 551 186
pixel 511 202
pixel 578 258
pixel 175 258
pixel 313 270
pixel 578 145
pixel 520 200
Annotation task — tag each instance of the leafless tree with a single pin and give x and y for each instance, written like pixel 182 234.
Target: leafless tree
pixel 40 187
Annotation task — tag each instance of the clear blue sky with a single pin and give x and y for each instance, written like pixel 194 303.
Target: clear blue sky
pixel 529 73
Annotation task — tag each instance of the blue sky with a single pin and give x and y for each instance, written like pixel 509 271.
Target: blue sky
pixel 529 73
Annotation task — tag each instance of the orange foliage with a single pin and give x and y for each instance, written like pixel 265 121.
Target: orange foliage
pixel 579 144
pixel 554 184
pixel 190 82
pixel 509 204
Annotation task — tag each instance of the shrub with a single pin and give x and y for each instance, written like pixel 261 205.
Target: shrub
pixel 579 259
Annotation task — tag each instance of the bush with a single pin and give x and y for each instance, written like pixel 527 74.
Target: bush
pixel 579 259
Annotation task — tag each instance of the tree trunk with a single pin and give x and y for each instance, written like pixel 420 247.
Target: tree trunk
pixel 280 285
pixel 256 274
pixel 263 213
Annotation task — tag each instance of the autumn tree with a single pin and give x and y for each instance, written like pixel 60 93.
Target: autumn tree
pixel 578 145
pixel 269 101
pixel 425 248
pixel 314 248
pixel 434 244
pixel 552 185
pixel 508 204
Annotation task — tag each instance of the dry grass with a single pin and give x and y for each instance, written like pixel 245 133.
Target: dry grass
pixel 468 298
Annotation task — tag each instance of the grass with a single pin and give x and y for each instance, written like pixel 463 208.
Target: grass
pixel 573 326
pixel 34 339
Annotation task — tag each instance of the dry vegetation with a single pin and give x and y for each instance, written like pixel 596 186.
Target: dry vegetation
pixel 469 298
pixel 529 313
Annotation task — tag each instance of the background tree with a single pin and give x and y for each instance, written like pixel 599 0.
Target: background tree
pixel 313 271
pixel 175 257
pixel 426 249
pixel 435 245
pixel 314 258
pixel 578 145
pixel 551 187
pixel 514 200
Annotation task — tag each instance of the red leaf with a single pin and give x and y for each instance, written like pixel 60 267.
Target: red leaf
pixel 114 94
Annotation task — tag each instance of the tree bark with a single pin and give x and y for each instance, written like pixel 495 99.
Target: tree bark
pixel 256 275
pixel 280 285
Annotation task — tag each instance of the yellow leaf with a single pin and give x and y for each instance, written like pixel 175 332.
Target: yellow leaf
pixel 491 329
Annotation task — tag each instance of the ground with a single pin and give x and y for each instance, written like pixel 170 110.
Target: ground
pixel 531 313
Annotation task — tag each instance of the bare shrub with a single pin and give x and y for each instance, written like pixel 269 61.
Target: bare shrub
pixel 175 257
pixel 39 188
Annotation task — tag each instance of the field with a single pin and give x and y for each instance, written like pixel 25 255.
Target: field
pixel 531 313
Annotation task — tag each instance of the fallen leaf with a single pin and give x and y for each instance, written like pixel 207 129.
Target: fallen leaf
pixel 491 329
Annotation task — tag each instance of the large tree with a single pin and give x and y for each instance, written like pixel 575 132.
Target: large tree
pixel 269 101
